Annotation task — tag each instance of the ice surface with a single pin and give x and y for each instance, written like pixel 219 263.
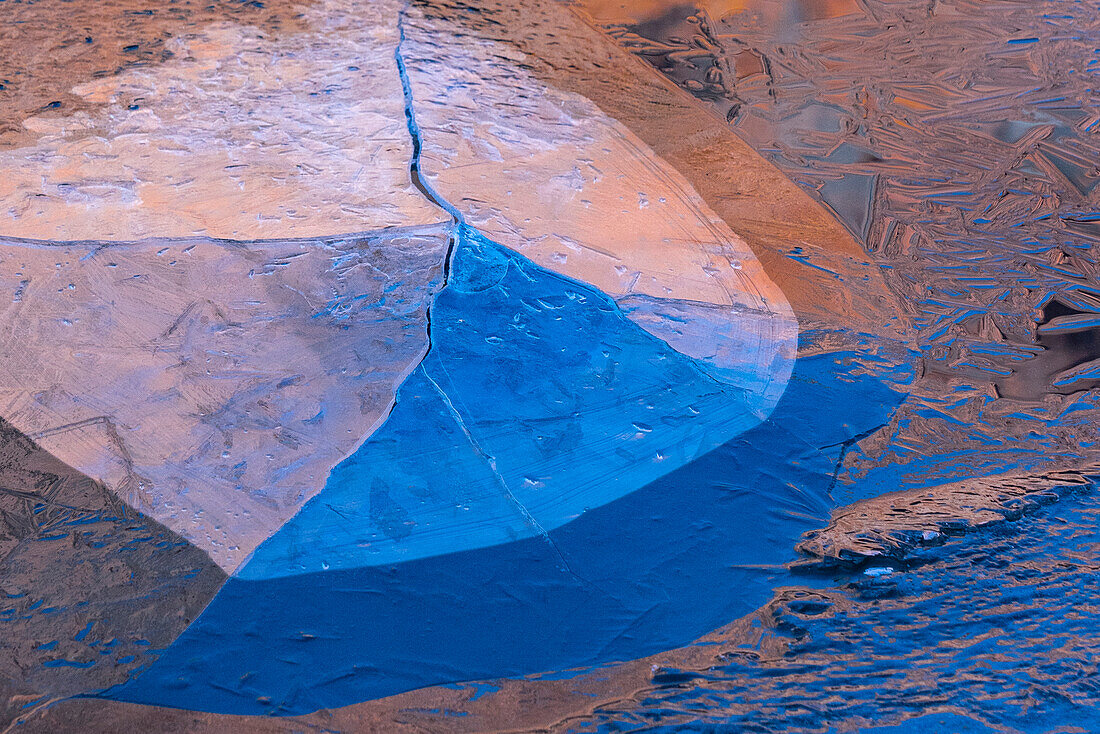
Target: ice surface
pixel 649 571
pixel 476 453
pixel 548 174
pixel 89 589
pixel 240 134
pixel 563 424
pixel 213 385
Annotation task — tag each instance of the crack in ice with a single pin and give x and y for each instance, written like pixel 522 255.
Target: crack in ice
pixel 458 232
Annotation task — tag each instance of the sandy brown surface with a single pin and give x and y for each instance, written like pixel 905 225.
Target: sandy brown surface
pixel 889 526
pixel 642 11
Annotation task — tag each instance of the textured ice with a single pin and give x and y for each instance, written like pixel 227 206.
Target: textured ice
pixel 212 385
pixel 238 135
pixel 476 453
pixel 551 176
pixel 216 399
pixel 88 587
pixel 562 424
pixel 649 571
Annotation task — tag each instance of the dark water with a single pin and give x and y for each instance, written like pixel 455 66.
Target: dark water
pixel 960 143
